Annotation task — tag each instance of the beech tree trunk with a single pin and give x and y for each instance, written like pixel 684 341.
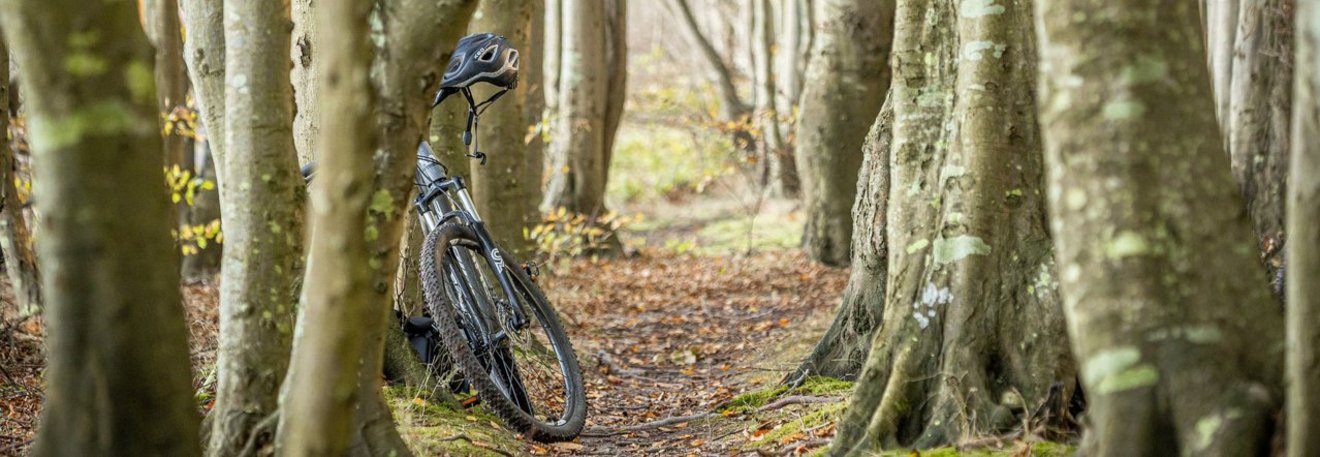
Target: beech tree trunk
pixel 307 108
pixel 779 172
pixel 1303 250
pixel 261 198
pixel 534 112
pixel 171 80
pixel 15 237
pixel 842 350
pixel 616 75
pixel 416 40
pixel 849 76
pixel 204 52
pixel 501 189
pixel 1259 117
pixel 1176 334
pixel 321 392
pixel 579 160
pixel 117 380
pixel 973 332
pixel 1220 37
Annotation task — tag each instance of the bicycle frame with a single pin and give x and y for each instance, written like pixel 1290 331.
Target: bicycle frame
pixel 443 198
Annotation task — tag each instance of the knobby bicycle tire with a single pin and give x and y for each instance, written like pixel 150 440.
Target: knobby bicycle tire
pixel 453 338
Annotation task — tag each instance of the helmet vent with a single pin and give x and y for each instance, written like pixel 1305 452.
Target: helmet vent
pixel 488 55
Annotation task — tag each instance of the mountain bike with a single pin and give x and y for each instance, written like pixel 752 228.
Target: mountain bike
pixel 484 308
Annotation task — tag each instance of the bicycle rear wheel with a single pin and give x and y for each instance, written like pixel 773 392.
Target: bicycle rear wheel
pixel 525 371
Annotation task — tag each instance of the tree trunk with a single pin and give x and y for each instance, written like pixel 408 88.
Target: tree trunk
pixel 779 172
pixel 205 210
pixel 790 58
pixel 165 32
pixel 117 380
pixel 616 77
pixel 1157 269
pixel 261 199
pixel 1261 109
pixel 416 40
pixel 849 76
pixel 974 331
pixel 843 348
pixel 577 173
pixel 1303 293
pixel 320 394
pixel 501 190
pixel 307 109
pixel 204 52
pixel 534 113
pixel 553 39
pixel 1221 35
pixel 732 108
pixel 15 237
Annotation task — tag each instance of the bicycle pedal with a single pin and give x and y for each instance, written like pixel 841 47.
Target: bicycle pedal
pixel 471 401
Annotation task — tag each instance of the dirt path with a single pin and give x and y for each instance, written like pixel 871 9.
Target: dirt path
pixel 670 337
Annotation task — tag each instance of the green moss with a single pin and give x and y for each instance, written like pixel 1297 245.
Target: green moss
pixel 818 385
pixel 812 420
pixel 434 428
pixel 751 401
pixel 1041 449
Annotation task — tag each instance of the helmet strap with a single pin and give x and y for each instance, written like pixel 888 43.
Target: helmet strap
pixel 474 121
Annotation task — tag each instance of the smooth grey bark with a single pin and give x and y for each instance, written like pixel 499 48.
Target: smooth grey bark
pixel 1259 117
pixel 534 112
pixel 501 189
pixel 204 52
pixel 1178 340
pixel 842 350
pixel 553 37
pixel 261 199
pixel 779 171
pixel 164 29
pixel 117 380
pixel 973 332
pixel 1303 294
pixel 1221 35
pixel 579 159
pixel 308 109
pixel 616 79
pixel 416 39
pixel 15 236
pixel 321 391
pixel 848 75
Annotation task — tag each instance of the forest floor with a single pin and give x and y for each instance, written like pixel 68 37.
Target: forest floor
pixel 682 345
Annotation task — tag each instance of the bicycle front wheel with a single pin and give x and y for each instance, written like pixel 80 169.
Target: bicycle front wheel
pixel 507 342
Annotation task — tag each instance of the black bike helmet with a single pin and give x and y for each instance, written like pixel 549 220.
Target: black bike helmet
pixel 482 57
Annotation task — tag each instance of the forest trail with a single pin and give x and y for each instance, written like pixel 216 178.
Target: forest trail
pixel 663 338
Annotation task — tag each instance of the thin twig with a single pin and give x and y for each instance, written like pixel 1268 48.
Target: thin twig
pixel 598 432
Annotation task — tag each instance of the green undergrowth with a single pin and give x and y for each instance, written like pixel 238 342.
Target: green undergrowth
pixel 435 428
pixel 751 401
